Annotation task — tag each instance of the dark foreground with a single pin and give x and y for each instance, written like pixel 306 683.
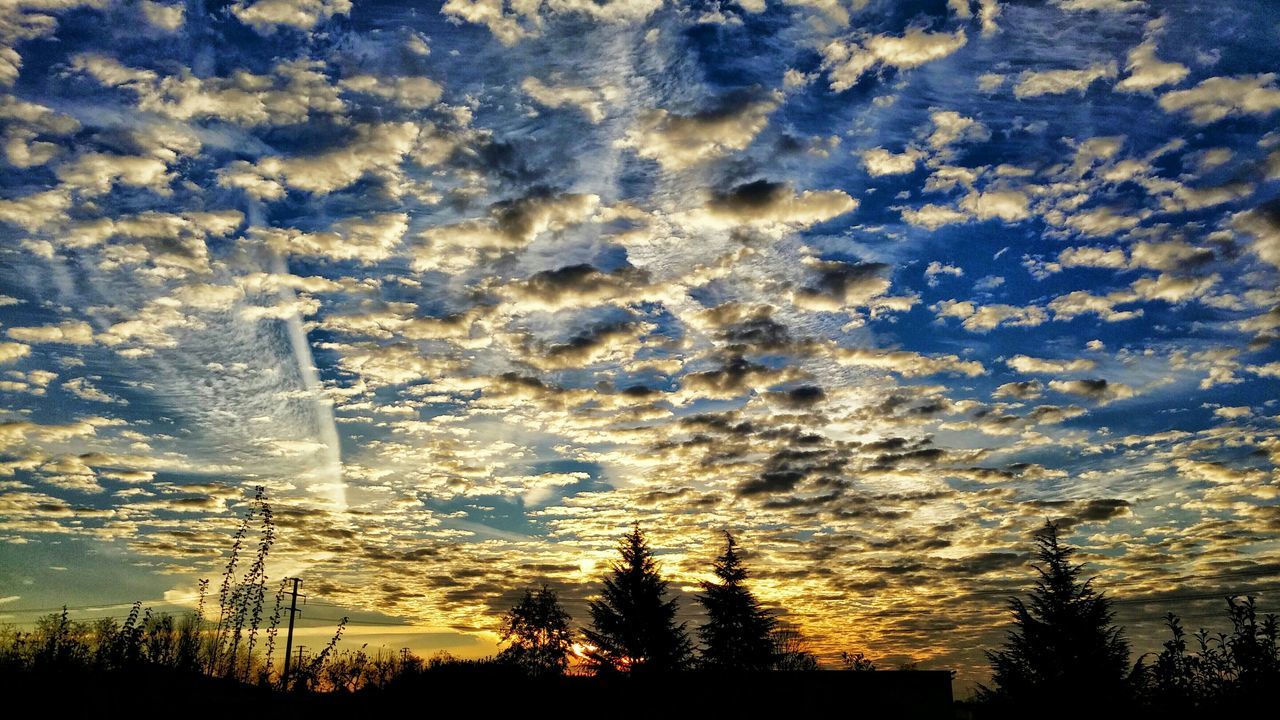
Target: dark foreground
pixel 884 694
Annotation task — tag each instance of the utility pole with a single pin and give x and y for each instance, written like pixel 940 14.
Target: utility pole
pixel 298 661
pixel 288 646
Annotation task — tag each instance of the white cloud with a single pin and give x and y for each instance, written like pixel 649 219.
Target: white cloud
pixel 32 212
pixel 984 318
pixel 1031 365
pixel 164 16
pixel 266 16
pixel 990 82
pixel 86 390
pixel 10 65
pixel 171 227
pixel 908 364
pixel 680 141
pixel 1059 82
pixel 936 268
pixel 96 173
pixel 765 204
pixel 1220 97
pixel 288 95
pixel 1264 227
pixel 1233 412
pixel 366 239
pixel 848 60
pixel 1174 288
pixel 590 101
pixel 515 20
pixel 950 127
pixel 11 351
pixel 407 91
pixel 1081 302
pixel 1006 205
pixel 1168 255
pixel 1100 5
pixel 507 226
pixel 1148 72
pixel 933 216
pixel 27 123
pixel 988 12
pixel 880 162
pixel 505 27
pixel 375 148
pixel 1113 258
pixel 70 332
pixel 1102 221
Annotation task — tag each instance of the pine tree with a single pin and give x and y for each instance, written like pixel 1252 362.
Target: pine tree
pixel 538 629
pixel 633 624
pixel 738 632
pixel 1063 641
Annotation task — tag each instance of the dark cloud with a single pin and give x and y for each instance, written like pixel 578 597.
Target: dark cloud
pixel 839 284
pixel 801 397
pixel 785 469
pixel 752 196
pixel 735 375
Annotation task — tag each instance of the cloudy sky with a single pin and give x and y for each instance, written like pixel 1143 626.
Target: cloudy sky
pixel 879 286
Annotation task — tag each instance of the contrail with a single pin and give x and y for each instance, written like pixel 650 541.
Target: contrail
pixel 330 473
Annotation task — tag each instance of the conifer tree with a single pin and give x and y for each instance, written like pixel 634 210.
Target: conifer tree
pixel 738 632
pixel 538 630
pixel 1063 641
pixel 633 624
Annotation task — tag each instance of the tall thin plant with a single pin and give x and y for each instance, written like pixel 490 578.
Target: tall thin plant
pixel 240 600
pixel 273 629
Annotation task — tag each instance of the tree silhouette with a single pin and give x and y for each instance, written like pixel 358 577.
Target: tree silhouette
pixel 538 629
pixel 738 632
pixel 1063 641
pixel 633 624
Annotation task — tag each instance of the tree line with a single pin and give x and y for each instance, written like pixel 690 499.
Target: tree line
pixel 633 627
pixel 1063 639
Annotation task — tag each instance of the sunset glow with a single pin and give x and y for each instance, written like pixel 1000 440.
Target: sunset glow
pixel 471 287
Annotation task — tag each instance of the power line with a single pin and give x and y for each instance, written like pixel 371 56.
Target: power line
pixel 350 621
pixel 363 622
pixel 153 603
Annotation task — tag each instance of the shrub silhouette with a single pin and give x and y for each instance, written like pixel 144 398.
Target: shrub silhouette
pixel 538 629
pixel 856 662
pixel 146 639
pixel 1239 669
pixel 738 632
pixel 1063 640
pixel 351 671
pixel 792 653
pixel 633 624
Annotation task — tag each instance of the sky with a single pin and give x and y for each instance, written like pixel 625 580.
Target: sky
pixel 880 287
